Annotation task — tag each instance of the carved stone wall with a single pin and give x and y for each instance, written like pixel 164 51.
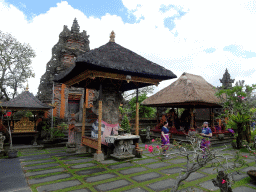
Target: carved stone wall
pixel 71 44
pixel 111 100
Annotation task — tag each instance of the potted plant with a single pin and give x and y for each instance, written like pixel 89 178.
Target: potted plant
pixel 12 153
pixel 120 131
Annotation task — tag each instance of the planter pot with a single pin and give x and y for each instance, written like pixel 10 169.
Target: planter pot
pixel 252 174
pixel 143 138
pixel 12 153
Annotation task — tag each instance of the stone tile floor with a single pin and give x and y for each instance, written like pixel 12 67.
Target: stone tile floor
pixel 46 171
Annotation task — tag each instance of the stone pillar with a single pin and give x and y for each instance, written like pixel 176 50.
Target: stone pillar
pixel 2 138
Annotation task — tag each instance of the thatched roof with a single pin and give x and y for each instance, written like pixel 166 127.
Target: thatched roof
pixel 114 58
pixel 188 90
pixel 25 101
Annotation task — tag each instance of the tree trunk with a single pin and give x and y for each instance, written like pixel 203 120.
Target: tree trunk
pixel 240 135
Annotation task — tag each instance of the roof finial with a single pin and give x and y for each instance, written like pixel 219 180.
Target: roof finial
pixel 112 37
pixel 27 87
pixel 75 27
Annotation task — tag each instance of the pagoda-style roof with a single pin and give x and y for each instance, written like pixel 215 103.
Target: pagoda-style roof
pixel 25 101
pixel 187 91
pixel 115 59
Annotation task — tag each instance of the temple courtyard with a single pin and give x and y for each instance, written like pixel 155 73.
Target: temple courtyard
pixel 53 169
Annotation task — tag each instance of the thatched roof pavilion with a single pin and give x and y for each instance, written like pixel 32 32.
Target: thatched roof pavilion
pixel 25 101
pixel 188 91
pixel 113 58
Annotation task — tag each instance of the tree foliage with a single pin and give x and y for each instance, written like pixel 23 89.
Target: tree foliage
pixel 15 65
pixel 238 107
pixel 144 111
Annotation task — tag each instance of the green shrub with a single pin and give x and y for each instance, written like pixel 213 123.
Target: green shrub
pixel 125 124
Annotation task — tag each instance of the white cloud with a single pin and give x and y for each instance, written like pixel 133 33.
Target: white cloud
pixel 207 24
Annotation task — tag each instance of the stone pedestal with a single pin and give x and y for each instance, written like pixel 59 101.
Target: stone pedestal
pixel 99 157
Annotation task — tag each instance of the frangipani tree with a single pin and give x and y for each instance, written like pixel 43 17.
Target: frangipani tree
pixel 238 108
pixel 198 157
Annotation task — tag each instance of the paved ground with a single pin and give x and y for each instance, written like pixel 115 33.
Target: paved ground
pixel 55 170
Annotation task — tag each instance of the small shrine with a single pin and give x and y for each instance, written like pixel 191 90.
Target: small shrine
pixel 111 69
pixel 226 80
pixel 25 101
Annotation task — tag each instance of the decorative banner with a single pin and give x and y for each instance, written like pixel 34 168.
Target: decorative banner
pixel 105 130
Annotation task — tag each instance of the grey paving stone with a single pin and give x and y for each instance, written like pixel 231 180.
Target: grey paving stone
pixel 44 172
pixel 239 176
pixel 211 170
pixel 112 185
pixel 57 186
pixel 244 189
pixel 100 177
pixel 147 176
pixel 79 161
pixel 191 189
pixel 82 165
pixel 195 176
pixel 41 166
pixel 75 157
pixel 150 155
pixel 110 161
pixel 146 161
pixel 136 190
pixel 90 171
pixel 172 170
pixel 158 165
pixel 120 165
pixel 161 185
pixel 132 170
pixel 250 160
pixel 247 169
pixel 178 161
pixel 81 190
pixel 37 162
pixel 49 178
pixel 208 185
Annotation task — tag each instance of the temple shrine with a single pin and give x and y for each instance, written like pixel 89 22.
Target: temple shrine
pixel 111 69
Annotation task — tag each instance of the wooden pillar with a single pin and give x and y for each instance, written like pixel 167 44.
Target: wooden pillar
pixel 99 119
pixel 192 118
pixel 62 102
pixel 137 118
pixel 212 117
pixel 84 111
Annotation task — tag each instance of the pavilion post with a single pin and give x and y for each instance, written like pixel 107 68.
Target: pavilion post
pixel 137 117
pixel 212 117
pixel 192 118
pixel 99 119
pixel 84 113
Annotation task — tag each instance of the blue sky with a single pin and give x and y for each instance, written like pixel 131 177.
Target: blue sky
pixel 198 37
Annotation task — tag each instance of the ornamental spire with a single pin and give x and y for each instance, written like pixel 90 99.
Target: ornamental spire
pixel 27 87
pixel 226 80
pixel 112 37
pixel 75 27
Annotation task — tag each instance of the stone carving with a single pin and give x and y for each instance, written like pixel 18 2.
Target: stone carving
pixel 111 100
